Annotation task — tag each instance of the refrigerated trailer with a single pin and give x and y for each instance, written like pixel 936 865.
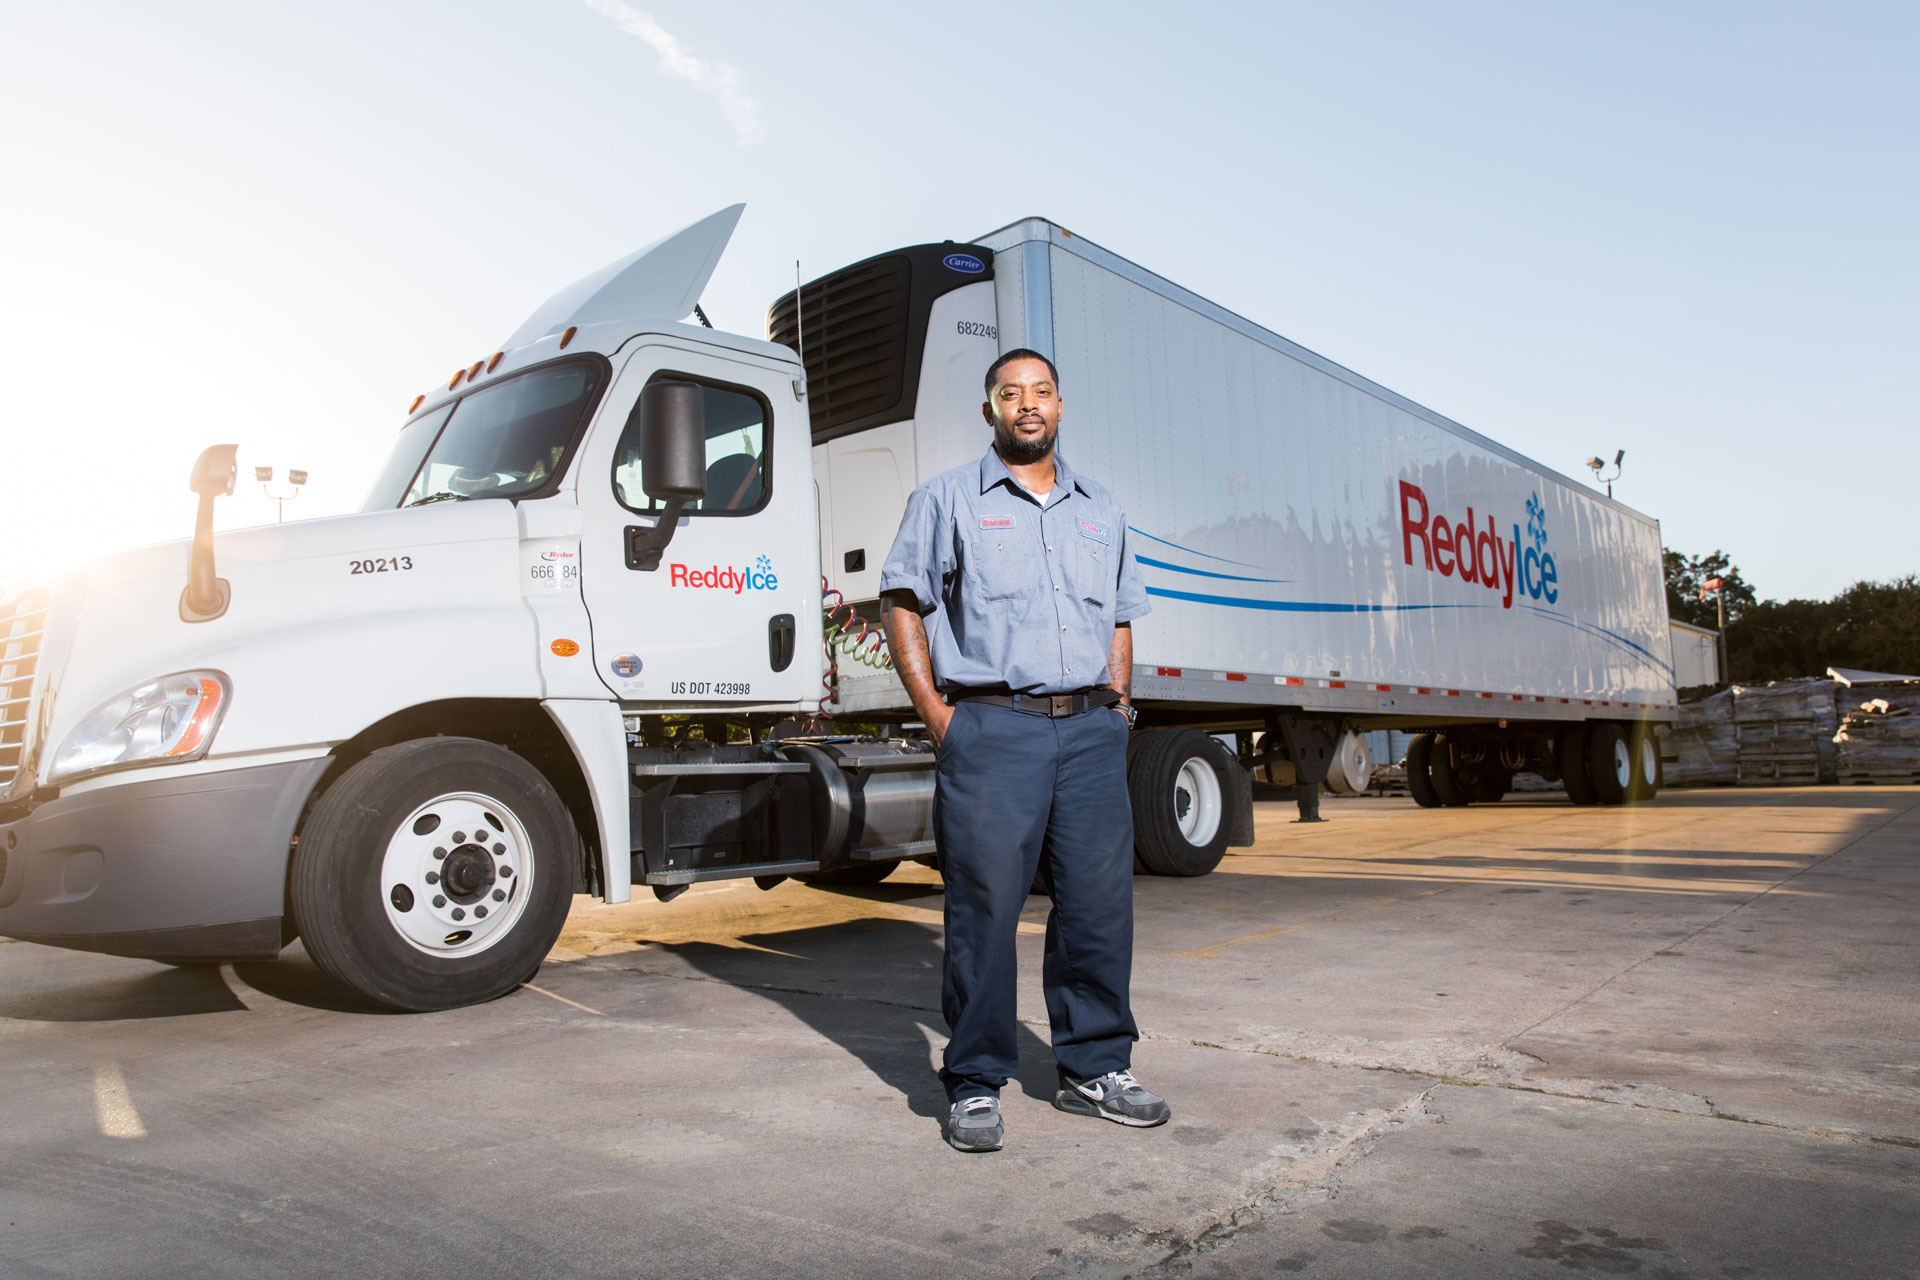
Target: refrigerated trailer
pixel 604 621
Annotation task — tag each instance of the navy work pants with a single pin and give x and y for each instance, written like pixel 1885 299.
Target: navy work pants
pixel 1010 784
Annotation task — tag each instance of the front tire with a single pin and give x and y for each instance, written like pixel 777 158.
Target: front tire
pixel 1180 788
pixel 434 874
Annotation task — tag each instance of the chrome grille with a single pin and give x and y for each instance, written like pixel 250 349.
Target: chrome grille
pixel 23 622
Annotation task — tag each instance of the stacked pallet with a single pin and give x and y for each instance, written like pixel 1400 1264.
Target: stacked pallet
pixel 1702 747
pixel 1784 733
pixel 1879 742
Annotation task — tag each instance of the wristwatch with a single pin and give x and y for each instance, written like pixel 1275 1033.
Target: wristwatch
pixel 1132 713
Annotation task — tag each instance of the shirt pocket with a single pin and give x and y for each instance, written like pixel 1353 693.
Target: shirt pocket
pixel 998 567
pixel 1091 566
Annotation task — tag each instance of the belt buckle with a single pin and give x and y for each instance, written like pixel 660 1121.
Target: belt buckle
pixel 1062 704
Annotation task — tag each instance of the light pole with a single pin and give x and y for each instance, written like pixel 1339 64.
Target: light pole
pixel 1719 588
pixel 264 475
pixel 1597 466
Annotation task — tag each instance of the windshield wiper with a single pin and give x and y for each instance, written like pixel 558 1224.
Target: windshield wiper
pixel 440 497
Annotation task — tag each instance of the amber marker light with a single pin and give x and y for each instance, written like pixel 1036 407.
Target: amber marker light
pixel 475 371
pixel 454 381
pixel 564 648
pixel 495 362
pixel 567 337
pixel 415 406
pixel 201 720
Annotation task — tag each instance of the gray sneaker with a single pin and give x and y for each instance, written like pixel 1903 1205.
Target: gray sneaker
pixel 973 1124
pixel 1115 1096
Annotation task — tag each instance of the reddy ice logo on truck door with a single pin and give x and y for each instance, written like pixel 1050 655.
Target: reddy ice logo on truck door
pixel 1522 565
pixel 725 577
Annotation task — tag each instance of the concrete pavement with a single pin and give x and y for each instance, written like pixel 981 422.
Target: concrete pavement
pixel 1507 1040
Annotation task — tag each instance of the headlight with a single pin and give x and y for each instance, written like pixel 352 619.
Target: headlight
pixel 165 720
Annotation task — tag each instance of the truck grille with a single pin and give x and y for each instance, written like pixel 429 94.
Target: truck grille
pixel 856 343
pixel 23 621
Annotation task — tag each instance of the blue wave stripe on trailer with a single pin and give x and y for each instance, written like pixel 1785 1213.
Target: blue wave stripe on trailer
pixel 1190 551
pixel 1612 637
pixel 1299 606
pixel 1204 573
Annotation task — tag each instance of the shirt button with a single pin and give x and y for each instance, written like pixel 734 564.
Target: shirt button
pixel 1063 628
pixel 1049 546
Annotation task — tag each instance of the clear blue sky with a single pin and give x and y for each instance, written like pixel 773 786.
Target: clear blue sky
pixel 1685 230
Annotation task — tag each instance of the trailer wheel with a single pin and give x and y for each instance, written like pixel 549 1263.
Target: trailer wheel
pixel 1453 787
pixel 1572 751
pixel 1609 763
pixel 1491 784
pixel 434 874
pixel 1179 788
pixel 1419 771
pixel 1644 748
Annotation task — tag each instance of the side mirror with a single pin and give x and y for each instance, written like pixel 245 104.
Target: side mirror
pixel 673 463
pixel 673 441
pixel 205 597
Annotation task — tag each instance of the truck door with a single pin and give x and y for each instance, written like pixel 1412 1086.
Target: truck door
pixel 730 619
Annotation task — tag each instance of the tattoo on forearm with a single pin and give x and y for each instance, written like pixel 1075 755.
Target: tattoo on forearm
pixel 912 659
pixel 1120 661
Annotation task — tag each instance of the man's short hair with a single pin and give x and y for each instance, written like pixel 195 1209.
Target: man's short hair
pixel 1019 353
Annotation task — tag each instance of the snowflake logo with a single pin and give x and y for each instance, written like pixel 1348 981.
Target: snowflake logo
pixel 763 564
pixel 1537 522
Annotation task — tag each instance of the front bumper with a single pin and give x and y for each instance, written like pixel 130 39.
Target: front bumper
pixel 180 868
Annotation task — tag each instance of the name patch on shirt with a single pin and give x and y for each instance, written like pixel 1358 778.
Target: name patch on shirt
pixel 1095 530
pixel 996 522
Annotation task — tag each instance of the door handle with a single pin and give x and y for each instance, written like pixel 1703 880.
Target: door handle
pixel 780 634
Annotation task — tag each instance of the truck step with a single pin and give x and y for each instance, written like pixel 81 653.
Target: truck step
pixel 892 852
pixel 695 875
pixel 729 769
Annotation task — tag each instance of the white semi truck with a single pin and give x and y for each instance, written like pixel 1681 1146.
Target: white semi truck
pixel 574 642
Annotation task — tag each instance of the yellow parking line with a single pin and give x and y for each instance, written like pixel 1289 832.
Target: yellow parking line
pixel 563 1000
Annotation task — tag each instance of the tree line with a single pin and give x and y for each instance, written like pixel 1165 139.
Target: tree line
pixel 1874 626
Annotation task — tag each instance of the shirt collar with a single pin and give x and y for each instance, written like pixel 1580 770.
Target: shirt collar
pixel 993 471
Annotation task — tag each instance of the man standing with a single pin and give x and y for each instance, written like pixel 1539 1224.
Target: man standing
pixel 1008 597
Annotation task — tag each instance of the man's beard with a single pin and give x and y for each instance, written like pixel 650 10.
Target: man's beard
pixel 1012 448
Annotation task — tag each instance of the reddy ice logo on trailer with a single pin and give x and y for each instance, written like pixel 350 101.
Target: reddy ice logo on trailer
pixel 1482 556
pixel 724 577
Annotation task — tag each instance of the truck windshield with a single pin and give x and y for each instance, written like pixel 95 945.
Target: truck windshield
pixel 506 440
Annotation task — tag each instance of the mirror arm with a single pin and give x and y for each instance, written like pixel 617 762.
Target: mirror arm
pixel 206 595
pixel 644 545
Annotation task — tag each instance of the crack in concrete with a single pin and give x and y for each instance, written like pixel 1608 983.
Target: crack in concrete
pixel 1293 1177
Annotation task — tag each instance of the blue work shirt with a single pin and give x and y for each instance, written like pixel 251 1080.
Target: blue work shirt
pixel 1016 595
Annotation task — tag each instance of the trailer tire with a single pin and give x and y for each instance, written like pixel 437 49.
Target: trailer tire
pixel 1179 787
pixel 1454 788
pixel 1491 784
pixel 1419 771
pixel 1572 751
pixel 1609 763
pixel 394 907
pixel 1644 747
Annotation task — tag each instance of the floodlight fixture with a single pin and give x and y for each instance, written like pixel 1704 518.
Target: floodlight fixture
pixel 263 474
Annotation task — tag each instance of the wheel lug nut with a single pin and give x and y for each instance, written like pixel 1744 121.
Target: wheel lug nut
pixel 433 877
pixel 505 872
pixel 479 911
pixel 439 901
pixel 499 895
pixel 499 849
pixel 459 837
pixel 439 853
pixel 459 913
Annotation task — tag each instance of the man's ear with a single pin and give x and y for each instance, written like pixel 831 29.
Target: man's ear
pixel 986 411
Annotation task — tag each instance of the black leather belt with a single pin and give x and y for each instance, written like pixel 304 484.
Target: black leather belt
pixel 1051 705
